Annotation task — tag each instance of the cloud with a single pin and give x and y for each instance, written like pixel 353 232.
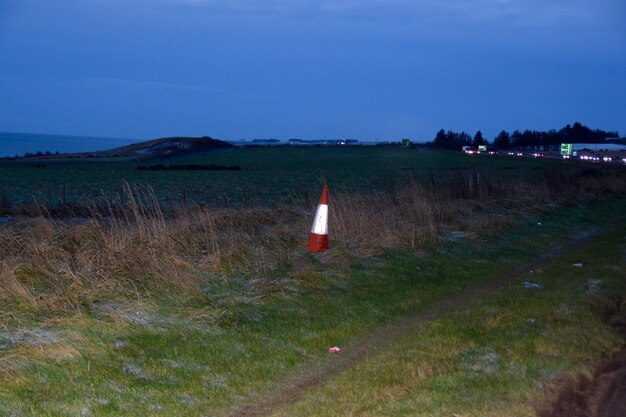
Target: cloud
pixel 523 13
pixel 150 85
pixel 526 12
pixel 427 19
pixel 461 7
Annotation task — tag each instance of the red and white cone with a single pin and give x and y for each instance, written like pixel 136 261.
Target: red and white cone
pixel 318 238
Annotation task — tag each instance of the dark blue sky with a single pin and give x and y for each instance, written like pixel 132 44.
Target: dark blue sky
pixel 366 69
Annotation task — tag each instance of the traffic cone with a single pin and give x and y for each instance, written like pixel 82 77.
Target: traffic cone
pixel 318 238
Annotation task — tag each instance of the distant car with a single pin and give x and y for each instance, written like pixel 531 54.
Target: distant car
pixel 469 150
pixel 607 159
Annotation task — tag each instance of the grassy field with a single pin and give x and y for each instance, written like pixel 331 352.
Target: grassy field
pixel 268 175
pixel 162 357
pixel 199 311
pixel 496 357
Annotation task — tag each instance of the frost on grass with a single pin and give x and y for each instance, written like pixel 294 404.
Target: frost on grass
pixel 563 310
pixel 132 369
pixel 532 285
pixel 484 360
pixel 31 338
pixel 592 285
pixel 172 380
pixel 120 344
pixel 146 317
pixel 151 400
pixel 453 236
pixel 187 399
pixel 170 363
pixel 217 381
pixel 115 387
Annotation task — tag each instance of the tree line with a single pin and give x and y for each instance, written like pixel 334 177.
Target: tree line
pixel 526 140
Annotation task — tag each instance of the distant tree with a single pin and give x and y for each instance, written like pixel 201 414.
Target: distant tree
pixel 451 140
pixel 503 140
pixel 529 139
pixel 516 139
pixel 478 140
pixel 551 140
pixel 464 139
pixel 579 133
pixel 440 139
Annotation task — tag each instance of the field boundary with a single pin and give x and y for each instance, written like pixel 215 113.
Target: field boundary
pixel 320 370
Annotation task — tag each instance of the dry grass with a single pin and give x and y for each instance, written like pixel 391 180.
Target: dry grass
pixel 126 245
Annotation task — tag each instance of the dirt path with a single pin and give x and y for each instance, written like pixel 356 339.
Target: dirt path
pixel 601 395
pixel 318 371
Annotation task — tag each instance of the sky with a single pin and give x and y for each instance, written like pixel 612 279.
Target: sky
pixel 361 69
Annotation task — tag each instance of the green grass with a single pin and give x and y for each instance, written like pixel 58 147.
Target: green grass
pixel 493 358
pixel 166 357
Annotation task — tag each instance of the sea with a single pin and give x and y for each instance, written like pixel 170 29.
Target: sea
pixel 12 144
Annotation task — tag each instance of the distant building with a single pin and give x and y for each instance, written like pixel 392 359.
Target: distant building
pixel 323 142
pixel 265 141
pixel 597 147
pixel 618 141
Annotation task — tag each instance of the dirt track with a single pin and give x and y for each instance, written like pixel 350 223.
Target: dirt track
pixel 318 371
pixel 602 395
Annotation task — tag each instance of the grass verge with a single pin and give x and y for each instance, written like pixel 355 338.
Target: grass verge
pixel 495 357
pixel 164 356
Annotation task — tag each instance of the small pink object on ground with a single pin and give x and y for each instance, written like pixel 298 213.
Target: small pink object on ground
pixel 334 349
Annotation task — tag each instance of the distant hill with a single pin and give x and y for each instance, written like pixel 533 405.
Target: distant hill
pixel 150 149
pixel 164 148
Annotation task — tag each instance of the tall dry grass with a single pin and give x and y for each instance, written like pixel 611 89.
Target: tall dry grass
pixel 126 245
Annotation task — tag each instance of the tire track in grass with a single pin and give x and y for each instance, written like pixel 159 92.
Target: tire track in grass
pixel 318 371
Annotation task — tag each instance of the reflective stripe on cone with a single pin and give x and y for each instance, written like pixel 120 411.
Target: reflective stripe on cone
pixel 318 238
